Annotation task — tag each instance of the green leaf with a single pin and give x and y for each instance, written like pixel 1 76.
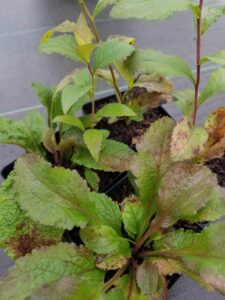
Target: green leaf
pixel 150 282
pixel 101 5
pixel 79 90
pixel 47 266
pixel 211 15
pixel 92 179
pixel 26 133
pixel 152 61
pixel 104 240
pixel 70 120
pixel 63 44
pixel 148 10
pixel 185 102
pixel 108 211
pixel 115 110
pixel 217 58
pixel 114 157
pixel 185 189
pixel 19 234
pixel 214 86
pixel 187 140
pixel 60 196
pixel 106 75
pixel 110 52
pixel 133 217
pixel 94 139
pixel 201 256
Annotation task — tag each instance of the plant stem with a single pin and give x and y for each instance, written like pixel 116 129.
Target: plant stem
pixel 131 283
pixel 152 229
pixel 117 275
pixel 92 94
pixel 98 40
pixel 198 61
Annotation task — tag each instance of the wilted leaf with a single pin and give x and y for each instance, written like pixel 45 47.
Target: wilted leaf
pixel 110 261
pixel 64 44
pixel 214 86
pixel 104 240
pixel 110 52
pixel 149 10
pixel 185 102
pixel 185 189
pixel 215 125
pixel 154 83
pixel 26 133
pixel 19 234
pixel 211 15
pixel 187 140
pixel 152 61
pixel 80 89
pixel 49 140
pixel 114 157
pixel 47 266
pixel 60 196
pixel 115 110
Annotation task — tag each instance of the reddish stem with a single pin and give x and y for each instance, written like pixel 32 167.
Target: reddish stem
pixel 198 61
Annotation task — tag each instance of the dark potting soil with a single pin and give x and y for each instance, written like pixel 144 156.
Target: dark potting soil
pixel 217 166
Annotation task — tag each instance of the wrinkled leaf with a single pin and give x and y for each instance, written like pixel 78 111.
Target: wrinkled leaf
pixel 185 189
pixel 115 157
pixel 148 10
pixel 26 133
pixel 59 195
pixel 110 261
pixel 110 52
pixel 104 240
pixel 152 61
pixel 19 234
pixel 211 15
pixel 187 140
pixel 46 266
pixel 215 125
pixel 108 211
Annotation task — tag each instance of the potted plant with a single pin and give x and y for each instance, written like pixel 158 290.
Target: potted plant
pixel 122 249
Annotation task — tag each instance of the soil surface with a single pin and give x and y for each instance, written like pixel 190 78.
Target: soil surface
pixel 217 166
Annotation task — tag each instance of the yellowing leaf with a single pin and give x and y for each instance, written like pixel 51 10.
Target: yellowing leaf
pixel 110 261
pixel 83 33
pixel 85 52
pixel 187 141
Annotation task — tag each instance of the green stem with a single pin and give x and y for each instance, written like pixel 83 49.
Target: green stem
pixel 92 95
pixel 98 40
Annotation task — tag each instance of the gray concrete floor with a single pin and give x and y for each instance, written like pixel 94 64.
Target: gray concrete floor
pixel 22 24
